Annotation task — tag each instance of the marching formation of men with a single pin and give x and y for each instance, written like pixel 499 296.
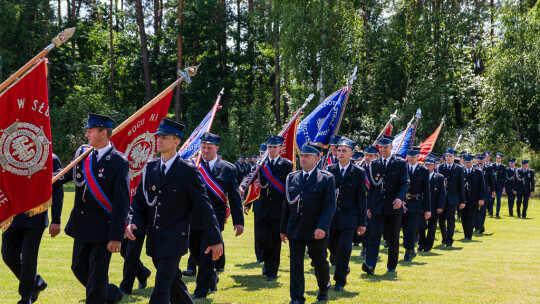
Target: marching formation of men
pixel 332 202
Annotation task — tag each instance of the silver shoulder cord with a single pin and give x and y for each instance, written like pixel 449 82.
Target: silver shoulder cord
pixel 517 176
pixel 511 177
pixel 75 181
pixel 296 199
pixel 143 180
pixel 377 184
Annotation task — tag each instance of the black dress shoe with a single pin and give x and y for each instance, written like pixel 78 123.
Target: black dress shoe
pixel 36 291
pixel 189 273
pixel 295 302
pixel 413 254
pixel 144 280
pixel 219 270
pixel 270 278
pixel 420 247
pixel 117 298
pixel 391 271
pixel 482 230
pixel 338 288
pixel 368 269
pixel 322 295
pixel 264 270
pixel 385 244
pixel 448 245
pixel 213 287
pixel 195 297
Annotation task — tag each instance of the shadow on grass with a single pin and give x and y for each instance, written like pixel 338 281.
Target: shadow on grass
pixel 359 260
pixel 444 248
pixel 138 296
pixel 334 295
pixel 251 265
pixel 482 235
pixel 409 264
pixel 252 282
pixel 380 278
pixel 429 253
pixel 468 241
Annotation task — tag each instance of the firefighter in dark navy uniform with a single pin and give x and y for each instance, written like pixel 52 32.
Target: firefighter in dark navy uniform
pixel 167 195
pixel 268 217
pixel 525 187
pixel 474 196
pixel 307 213
pixel 222 190
pixel 510 184
pixel 97 221
pixel 350 216
pixel 370 153
pixel 390 186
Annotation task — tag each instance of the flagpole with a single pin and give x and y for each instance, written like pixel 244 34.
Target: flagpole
pixel 409 125
pixel 214 110
pixel 352 77
pixel 184 75
pixel 392 116
pixel 261 161
pixel 56 41
pixel 458 140
pixel 418 116
pixel 437 135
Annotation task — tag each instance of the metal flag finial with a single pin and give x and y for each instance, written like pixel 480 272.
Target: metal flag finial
pixel 310 97
pixel 188 72
pixel 418 113
pixel 63 36
pixel 353 75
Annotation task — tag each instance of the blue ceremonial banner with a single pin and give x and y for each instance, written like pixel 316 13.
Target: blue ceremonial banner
pixel 405 145
pixel 193 143
pixel 319 126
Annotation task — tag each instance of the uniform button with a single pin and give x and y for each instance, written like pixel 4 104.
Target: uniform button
pixel 82 212
pixel 183 233
pixel 84 201
pixel 157 227
pixel 158 215
pixel 159 191
pixel 338 208
pixel 174 190
pixel 301 214
pixel 159 204
pixel 109 222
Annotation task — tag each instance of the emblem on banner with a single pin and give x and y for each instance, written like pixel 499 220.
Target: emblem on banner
pixel 139 152
pixel 24 149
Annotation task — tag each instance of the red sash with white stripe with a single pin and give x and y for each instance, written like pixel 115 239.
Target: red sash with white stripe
pixel 214 187
pixel 93 185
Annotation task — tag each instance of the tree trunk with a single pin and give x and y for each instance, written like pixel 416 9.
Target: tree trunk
pixel 459 115
pixel 96 8
pixel 60 13
pixel 111 39
pixel 157 33
pixel 177 98
pixel 223 61
pixel 144 50
pixel 251 52
pixel 277 88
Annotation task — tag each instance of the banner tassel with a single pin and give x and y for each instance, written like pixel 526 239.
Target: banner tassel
pixel 40 209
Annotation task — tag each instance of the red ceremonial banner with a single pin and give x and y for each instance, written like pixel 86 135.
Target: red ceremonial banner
pixel 138 142
pixel 428 144
pixel 289 144
pixel 388 132
pixel 25 146
pixel 254 191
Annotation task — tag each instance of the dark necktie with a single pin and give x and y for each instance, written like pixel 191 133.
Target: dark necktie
pixel 163 167
pixel 207 165
pixel 384 161
pixel 306 176
pixel 273 162
pixel 342 172
pixel 95 156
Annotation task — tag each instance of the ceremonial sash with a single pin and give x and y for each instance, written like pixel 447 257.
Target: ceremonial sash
pixel 272 179
pixel 93 185
pixel 368 184
pixel 214 187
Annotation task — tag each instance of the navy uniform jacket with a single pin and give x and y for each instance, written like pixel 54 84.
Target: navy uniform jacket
pixel 365 166
pixel 89 222
pixel 41 220
pixel 395 185
pixel 271 200
pixel 453 176
pixel 419 187
pixel 489 180
pixel 224 174
pixel 176 196
pixel 510 179
pixel 474 187
pixel 437 192
pixel 498 173
pixel 240 171
pixel 525 181
pixel 351 197
pixel 314 208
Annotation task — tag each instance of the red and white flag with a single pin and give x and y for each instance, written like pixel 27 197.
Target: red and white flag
pixel 428 144
pixel 289 147
pixel 138 142
pixel 25 146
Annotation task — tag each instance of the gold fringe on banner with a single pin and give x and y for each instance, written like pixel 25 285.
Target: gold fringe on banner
pixel 39 209
pixel 5 224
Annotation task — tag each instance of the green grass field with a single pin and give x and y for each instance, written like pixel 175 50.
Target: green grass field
pixel 501 265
